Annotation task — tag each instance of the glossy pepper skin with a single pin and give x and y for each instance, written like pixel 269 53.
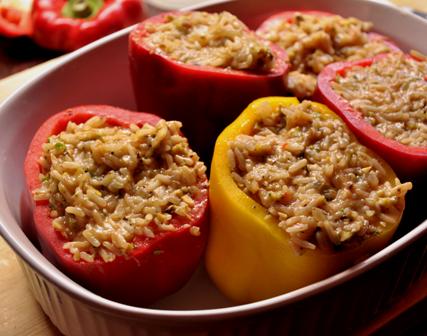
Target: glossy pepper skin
pixel 288 16
pixel 155 267
pixel 248 256
pixel 204 98
pixel 407 161
pixel 64 26
pixel 15 20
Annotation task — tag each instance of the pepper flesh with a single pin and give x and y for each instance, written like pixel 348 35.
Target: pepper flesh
pixel 409 162
pixel 55 28
pixel 248 256
pixel 205 97
pixel 155 267
pixel 15 18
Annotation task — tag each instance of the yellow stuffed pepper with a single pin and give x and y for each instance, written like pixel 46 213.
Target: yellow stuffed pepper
pixel 294 199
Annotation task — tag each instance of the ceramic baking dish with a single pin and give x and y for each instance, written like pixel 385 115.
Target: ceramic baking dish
pixel 99 73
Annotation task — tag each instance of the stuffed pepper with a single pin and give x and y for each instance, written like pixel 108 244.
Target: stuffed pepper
pixel 314 39
pixel 384 101
pixel 120 201
pixel 66 25
pixel 202 69
pixel 294 199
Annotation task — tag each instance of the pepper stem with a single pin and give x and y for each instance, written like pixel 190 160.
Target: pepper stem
pixel 82 9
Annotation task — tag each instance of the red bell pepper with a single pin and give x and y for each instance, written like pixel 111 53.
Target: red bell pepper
pixel 156 266
pixel 204 98
pixel 407 161
pixel 66 25
pixel 15 18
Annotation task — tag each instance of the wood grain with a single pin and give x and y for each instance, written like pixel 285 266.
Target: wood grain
pixel 20 314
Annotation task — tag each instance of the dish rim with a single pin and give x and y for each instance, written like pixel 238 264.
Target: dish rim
pixel 78 292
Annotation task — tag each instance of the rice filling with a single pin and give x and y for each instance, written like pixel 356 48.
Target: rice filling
pixel 108 184
pixel 218 40
pixel 324 189
pixel 314 41
pixel 391 94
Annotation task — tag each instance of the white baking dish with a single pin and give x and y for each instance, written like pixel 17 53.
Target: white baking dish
pixel 98 73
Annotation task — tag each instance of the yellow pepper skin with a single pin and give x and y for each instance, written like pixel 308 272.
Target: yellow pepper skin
pixel 248 256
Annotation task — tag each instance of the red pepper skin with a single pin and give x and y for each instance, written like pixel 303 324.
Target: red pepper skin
pixel 14 22
pixel 407 161
pixel 204 98
pixel 54 31
pixel 288 16
pixel 155 267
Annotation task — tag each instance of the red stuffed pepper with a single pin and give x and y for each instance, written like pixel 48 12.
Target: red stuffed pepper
pixel 314 39
pixel 202 69
pixel 68 25
pixel 15 18
pixel 120 201
pixel 384 102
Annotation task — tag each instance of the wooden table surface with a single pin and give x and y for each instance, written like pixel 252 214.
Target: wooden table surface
pixel 19 312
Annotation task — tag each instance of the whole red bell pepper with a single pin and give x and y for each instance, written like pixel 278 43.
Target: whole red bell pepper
pixel 15 18
pixel 156 266
pixel 204 98
pixel 407 161
pixel 66 25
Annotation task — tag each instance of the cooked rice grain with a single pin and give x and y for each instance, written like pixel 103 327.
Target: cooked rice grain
pixel 217 40
pixel 314 41
pixel 108 184
pixel 392 96
pixel 332 193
